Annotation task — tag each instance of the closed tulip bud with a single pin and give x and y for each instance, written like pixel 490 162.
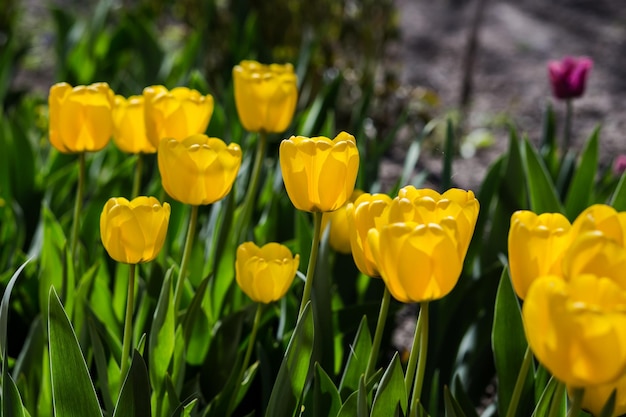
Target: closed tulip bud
pixel 339 229
pixel 577 328
pixel 176 114
pixel 603 218
pixel 129 128
pixel 265 95
pixel 596 396
pixel 80 117
pixel 319 173
pixel 133 232
pixel 198 170
pixel 364 214
pixel 418 262
pixel 265 274
pixel 537 244
pixel 568 76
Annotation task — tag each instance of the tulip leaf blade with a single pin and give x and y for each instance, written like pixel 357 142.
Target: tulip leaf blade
pixel 326 398
pixel 509 346
pixel 451 405
pixel 618 199
pixel 294 369
pixel 357 360
pixel 73 392
pixel 609 407
pixel 361 407
pixel 391 391
pixel 543 405
pixel 162 336
pixel 541 190
pixel 582 186
pixel 134 399
pixel 349 407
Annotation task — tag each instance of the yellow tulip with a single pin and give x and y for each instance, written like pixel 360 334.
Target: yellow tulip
pixel 596 396
pixel 339 229
pixel 364 214
pixel 198 170
pixel 428 206
pixel 604 218
pixel 319 173
pixel 577 328
pixel 80 117
pixel 265 95
pixel 418 262
pixel 129 128
pixel 175 114
pixel 537 244
pixel 133 231
pixel 265 274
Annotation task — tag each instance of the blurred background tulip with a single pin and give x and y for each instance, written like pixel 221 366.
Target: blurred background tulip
pixel 569 76
pixel 265 273
pixel 265 95
pixel 134 231
pixel 319 173
pixel 129 129
pixel 198 170
pixel 80 117
pixel 339 229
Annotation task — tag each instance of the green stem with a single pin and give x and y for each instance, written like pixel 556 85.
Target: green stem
pixel 249 200
pixel 519 383
pixel 128 322
pixel 137 178
pixel 412 365
pixel 378 335
pixel 246 358
pixel 191 231
pixel 557 399
pixel 421 363
pixel 310 271
pixel 577 400
pixel 77 207
pixel 569 110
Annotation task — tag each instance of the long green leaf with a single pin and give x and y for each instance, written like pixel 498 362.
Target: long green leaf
pixel 162 335
pixel 134 399
pixel 294 369
pixel 12 405
pixel 72 390
pixel 357 360
pixel 541 189
pixel 618 199
pixel 4 309
pixel 543 405
pixel 391 391
pixel 362 406
pixel 452 407
pixel 581 189
pixel 326 399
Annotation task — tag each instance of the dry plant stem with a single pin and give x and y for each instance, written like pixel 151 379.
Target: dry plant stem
pixel 310 271
pixel 191 231
pixel 137 178
pixel 255 175
pixel 246 359
pixel 567 136
pixel 519 383
pixel 77 207
pixel 128 322
pixel 555 406
pixel 577 400
pixel 378 335
pixel 421 362
pixel 412 365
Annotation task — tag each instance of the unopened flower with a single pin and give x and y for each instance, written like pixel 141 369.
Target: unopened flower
pixel 568 76
pixel 129 128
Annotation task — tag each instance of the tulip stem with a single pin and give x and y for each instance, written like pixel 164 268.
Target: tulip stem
pixel 128 322
pixel 519 383
pixel 137 178
pixel 253 184
pixel 577 400
pixel 421 362
pixel 77 207
pixel 412 365
pixel 378 335
pixel 557 400
pixel 246 358
pixel 310 271
pixel 569 110
pixel 191 231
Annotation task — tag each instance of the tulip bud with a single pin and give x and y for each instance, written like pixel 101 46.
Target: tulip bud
pixel 337 221
pixel 568 76
pixel 129 128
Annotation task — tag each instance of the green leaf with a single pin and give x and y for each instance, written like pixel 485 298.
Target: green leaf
pixel 609 406
pixel 12 405
pixel 361 407
pixel 391 391
pixel 134 399
pixel 294 369
pixel 462 398
pixel 543 405
pixel 509 346
pixel 349 407
pixel 541 189
pixel 582 186
pixel 618 199
pixel 72 390
pixel 452 407
pixel 162 335
pixel 326 399
pixel 357 360
pixel 4 309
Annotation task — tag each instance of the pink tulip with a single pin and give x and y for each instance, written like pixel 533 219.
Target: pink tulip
pixel 568 76
pixel 619 166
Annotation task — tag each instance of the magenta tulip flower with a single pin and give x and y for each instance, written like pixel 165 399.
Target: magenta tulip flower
pixel 568 76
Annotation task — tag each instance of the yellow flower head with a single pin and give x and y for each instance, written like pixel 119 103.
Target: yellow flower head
pixel 175 114
pixel 265 274
pixel 596 396
pixel 134 231
pixel 129 128
pixel 364 214
pixel 537 244
pixel 265 95
pixel 80 117
pixel 319 173
pixel 337 221
pixel 198 170
pixel 577 328
pixel 418 262
pixel 603 218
